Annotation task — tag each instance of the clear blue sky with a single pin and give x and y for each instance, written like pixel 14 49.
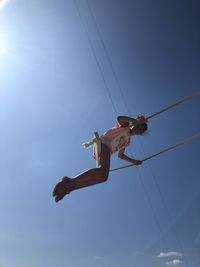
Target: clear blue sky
pixel 52 98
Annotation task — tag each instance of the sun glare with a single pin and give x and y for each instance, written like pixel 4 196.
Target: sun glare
pixel 2 45
pixel 2 2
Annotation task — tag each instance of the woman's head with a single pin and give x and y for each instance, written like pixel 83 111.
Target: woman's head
pixel 139 129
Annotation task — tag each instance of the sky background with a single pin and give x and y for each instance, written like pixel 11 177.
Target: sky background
pixel 61 64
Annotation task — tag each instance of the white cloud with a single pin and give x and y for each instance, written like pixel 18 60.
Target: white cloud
pixel 169 254
pixel 175 262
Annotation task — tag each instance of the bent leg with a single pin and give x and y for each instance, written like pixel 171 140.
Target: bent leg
pixel 96 175
pixel 88 178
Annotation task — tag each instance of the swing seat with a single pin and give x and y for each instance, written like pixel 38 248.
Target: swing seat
pixel 97 147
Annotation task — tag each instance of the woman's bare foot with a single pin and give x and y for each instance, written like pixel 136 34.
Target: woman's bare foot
pixel 62 189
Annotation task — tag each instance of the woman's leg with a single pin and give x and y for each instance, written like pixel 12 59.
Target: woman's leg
pixel 96 175
pixel 88 178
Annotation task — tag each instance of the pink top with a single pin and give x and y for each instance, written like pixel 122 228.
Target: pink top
pixel 116 138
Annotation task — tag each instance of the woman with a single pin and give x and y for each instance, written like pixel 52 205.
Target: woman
pixel 114 140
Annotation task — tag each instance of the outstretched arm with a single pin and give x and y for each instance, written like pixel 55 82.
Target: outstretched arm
pixel 121 155
pixel 126 121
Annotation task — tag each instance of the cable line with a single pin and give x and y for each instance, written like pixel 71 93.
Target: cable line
pixel 128 110
pixel 107 54
pixel 151 116
pixel 96 58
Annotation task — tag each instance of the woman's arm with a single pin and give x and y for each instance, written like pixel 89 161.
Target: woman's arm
pixel 121 155
pixel 125 121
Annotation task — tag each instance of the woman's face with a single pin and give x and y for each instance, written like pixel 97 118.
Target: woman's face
pixel 137 130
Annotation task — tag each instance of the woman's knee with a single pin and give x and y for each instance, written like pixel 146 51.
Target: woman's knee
pixel 104 174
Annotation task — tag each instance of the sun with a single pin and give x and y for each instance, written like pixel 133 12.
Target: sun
pixel 2 2
pixel 2 45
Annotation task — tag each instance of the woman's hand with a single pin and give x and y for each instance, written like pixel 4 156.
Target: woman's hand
pixel 137 162
pixel 121 155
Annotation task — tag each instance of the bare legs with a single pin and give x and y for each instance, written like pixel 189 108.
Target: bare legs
pixel 88 178
pixel 96 175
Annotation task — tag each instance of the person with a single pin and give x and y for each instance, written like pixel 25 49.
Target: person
pixel 114 140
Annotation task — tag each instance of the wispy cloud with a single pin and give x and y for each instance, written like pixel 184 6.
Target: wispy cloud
pixel 98 257
pixel 175 262
pixel 136 253
pixel 169 254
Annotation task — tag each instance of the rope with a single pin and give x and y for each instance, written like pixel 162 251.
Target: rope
pixel 175 104
pixel 187 140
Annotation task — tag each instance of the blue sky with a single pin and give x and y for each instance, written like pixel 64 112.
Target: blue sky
pixel 55 76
